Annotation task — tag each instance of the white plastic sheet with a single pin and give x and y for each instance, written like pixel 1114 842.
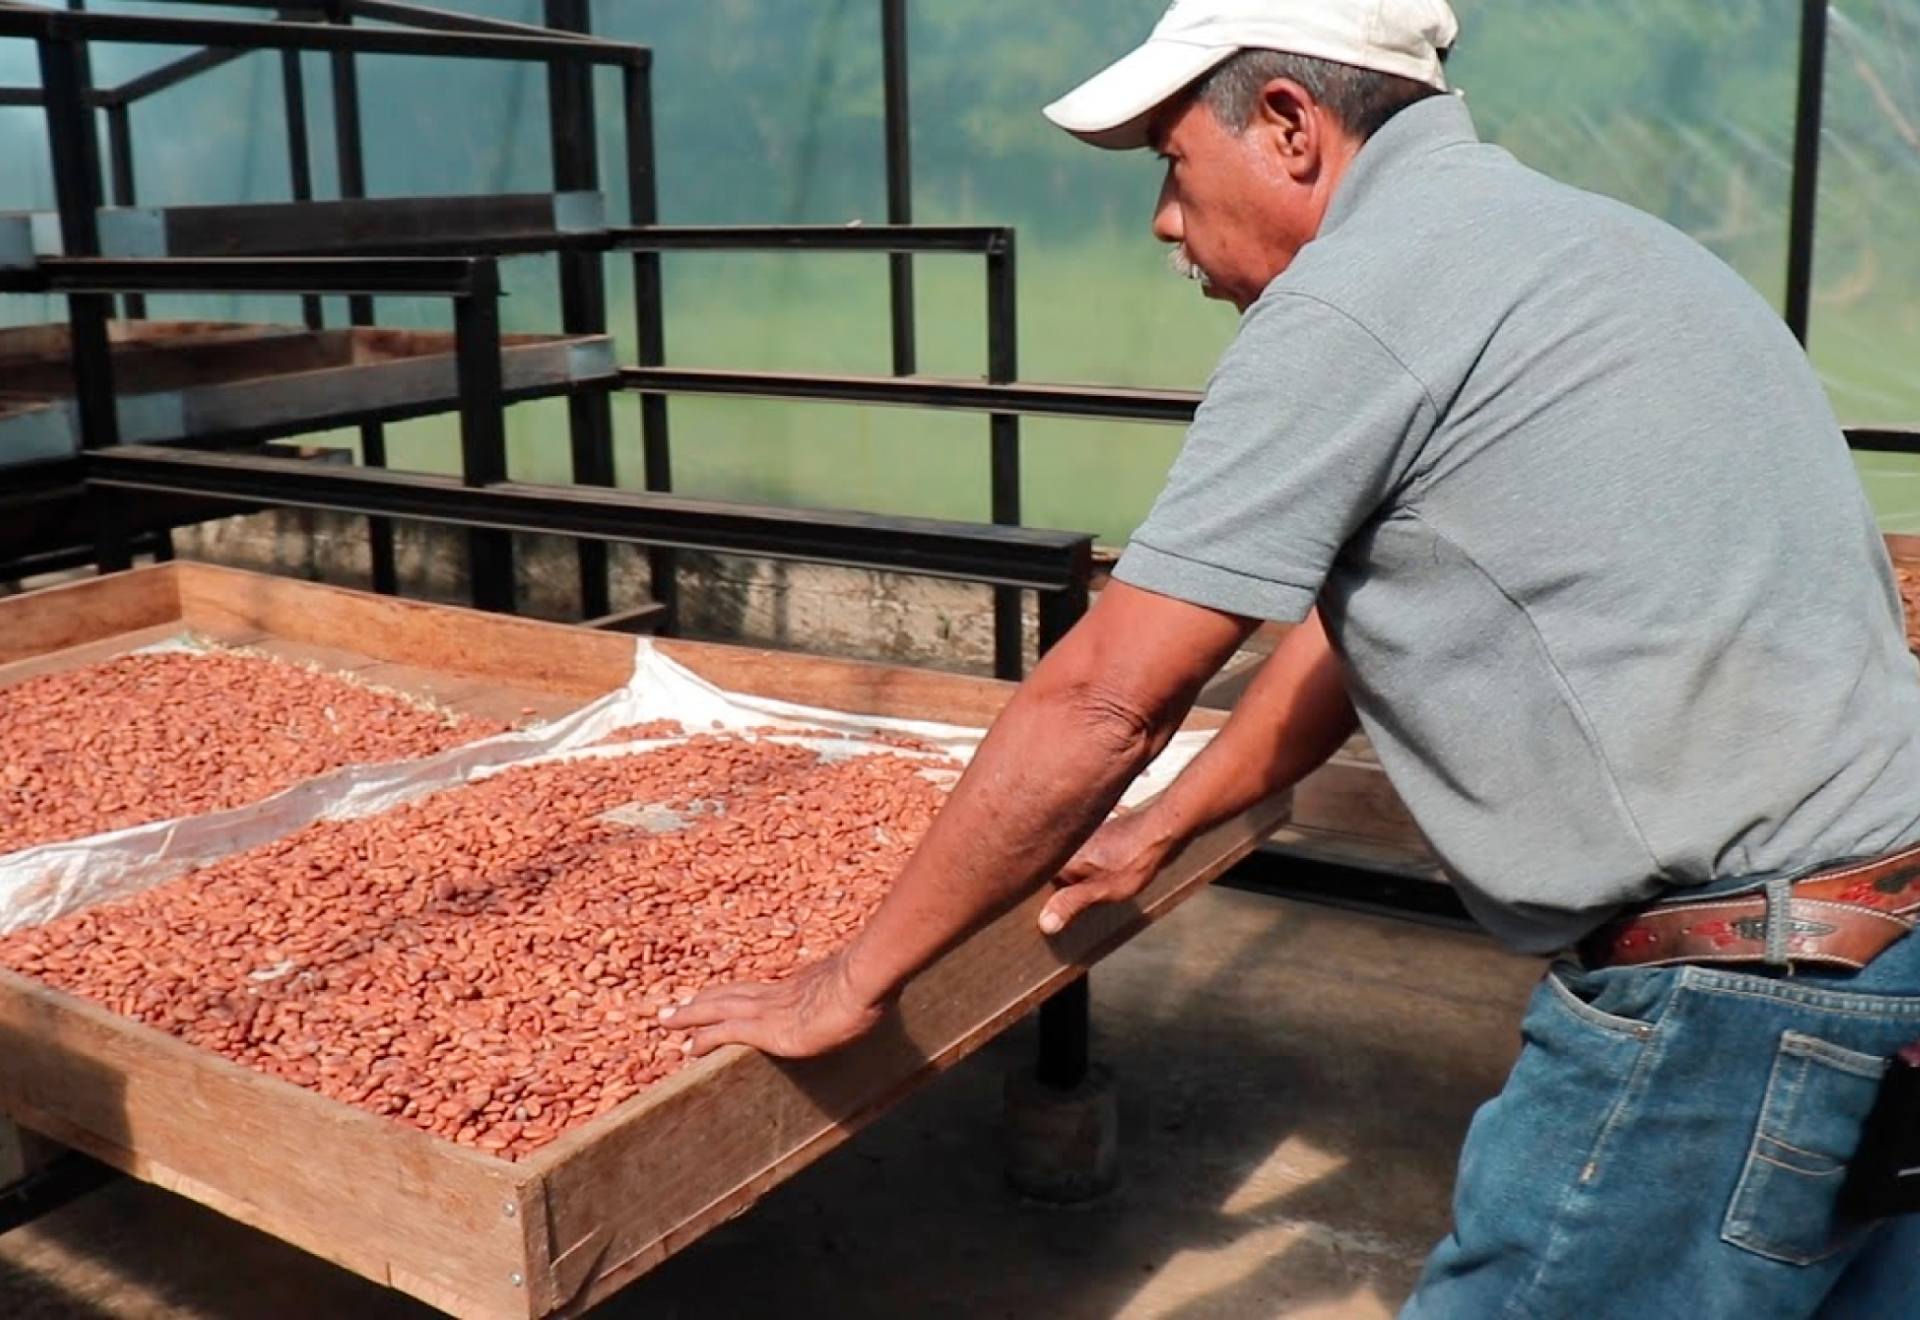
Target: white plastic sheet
pixel 40 884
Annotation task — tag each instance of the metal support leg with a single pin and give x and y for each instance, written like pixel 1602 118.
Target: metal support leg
pixel 636 87
pixel 1063 1119
pixel 583 307
pixel 1066 1029
pixel 483 435
pixel 1065 1019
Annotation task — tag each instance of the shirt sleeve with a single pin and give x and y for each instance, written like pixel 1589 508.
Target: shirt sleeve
pixel 1308 428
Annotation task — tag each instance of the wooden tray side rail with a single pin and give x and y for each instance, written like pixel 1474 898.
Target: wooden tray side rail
pixel 77 613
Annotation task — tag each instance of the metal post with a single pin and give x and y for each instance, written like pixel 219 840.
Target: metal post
pixel 583 299
pixel 643 205
pixel 75 157
pixel 293 84
pixel 383 566
pixel 483 433
pixel 899 131
pixel 75 154
pixel 1806 165
pixel 133 305
pixel 1003 365
pixel 120 157
pixel 1065 1035
pixel 1059 611
pixel 1066 1019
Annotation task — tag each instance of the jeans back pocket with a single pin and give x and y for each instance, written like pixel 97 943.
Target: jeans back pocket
pixel 1785 1206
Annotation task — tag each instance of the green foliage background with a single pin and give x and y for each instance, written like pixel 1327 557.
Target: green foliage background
pixel 771 111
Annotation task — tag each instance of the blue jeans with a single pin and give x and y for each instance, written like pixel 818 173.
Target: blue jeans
pixel 1669 1146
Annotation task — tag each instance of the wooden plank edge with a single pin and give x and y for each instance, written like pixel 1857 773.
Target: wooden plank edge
pixel 75 613
pixel 450 639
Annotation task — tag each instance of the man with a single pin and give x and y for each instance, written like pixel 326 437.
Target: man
pixel 1568 525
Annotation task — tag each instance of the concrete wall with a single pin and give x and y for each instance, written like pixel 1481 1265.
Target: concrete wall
pixel 832 611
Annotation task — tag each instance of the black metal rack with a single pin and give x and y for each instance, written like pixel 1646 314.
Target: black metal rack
pixel 67 94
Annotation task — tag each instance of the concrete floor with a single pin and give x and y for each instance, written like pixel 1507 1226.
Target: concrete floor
pixel 1294 1084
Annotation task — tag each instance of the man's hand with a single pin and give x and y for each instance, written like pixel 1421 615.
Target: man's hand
pixel 1115 864
pixel 811 1012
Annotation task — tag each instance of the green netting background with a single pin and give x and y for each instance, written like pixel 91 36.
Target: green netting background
pixel 771 111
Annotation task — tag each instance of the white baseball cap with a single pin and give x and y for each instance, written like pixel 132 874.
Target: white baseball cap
pixel 1111 109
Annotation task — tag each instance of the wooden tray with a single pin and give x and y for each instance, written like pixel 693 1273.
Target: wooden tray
pixel 179 380
pixel 470 1234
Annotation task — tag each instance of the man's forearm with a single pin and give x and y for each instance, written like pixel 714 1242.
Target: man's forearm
pixel 1037 787
pixel 1292 717
pixel 1075 734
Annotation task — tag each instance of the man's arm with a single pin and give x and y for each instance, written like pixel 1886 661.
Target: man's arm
pixel 1093 713
pixel 1293 716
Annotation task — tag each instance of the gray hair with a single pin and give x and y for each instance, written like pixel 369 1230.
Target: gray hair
pixel 1361 99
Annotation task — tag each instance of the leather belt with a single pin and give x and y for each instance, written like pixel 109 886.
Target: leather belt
pixel 1843 916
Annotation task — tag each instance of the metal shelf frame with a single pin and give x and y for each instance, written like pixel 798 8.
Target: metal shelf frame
pixel 566 47
pixel 995 244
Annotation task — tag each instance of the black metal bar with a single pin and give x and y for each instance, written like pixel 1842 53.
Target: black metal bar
pixel 386 226
pixel 143 29
pixel 643 204
pixel 285 8
pixel 1884 441
pixel 899 134
pixel 1065 1035
pixel 120 153
pixel 970 552
pixel 1003 367
pixel 583 302
pixel 1806 165
pixel 76 185
pixel 348 147
pixel 350 415
pixel 1059 611
pixel 1028 397
pixel 483 433
pixel 66 77
pixel 1066 1018
pixel 343 80
pixel 22 96
pixel 293 83
pixel 67 1178
pixel 445 20
pixel 416 276
pixel 383 565
pixel 977 239
pixel 1278 873
pixel 71 143
pixel 167 75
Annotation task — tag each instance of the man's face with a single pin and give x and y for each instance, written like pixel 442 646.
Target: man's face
pixel 1236 216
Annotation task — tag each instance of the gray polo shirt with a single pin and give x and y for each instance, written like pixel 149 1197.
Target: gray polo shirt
pixel 1614 610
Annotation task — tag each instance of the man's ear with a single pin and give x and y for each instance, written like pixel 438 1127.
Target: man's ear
pixel 1294 122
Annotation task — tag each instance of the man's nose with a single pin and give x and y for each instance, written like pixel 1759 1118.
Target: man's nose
pixel 1168 223
pixel 1169 226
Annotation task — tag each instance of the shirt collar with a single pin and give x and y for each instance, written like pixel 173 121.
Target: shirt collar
pixel 1425 127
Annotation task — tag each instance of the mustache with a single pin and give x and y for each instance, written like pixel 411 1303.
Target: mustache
pixel 1185 266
